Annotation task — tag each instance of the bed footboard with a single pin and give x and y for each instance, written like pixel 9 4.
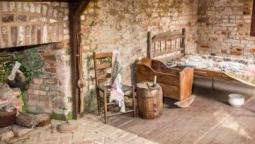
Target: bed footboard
pixel 186 82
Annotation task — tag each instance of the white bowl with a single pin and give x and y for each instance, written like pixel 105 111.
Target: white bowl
pixel 236 100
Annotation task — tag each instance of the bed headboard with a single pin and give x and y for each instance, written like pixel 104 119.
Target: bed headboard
pixel 166 43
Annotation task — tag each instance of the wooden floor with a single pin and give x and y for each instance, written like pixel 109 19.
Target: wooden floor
pixel 209 120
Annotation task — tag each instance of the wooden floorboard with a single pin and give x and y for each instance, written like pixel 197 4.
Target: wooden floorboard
pixel 208 120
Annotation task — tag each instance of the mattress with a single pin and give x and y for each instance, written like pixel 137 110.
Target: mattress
pixel 242 70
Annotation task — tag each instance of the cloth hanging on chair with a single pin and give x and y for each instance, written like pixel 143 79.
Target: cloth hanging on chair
pixel 116 88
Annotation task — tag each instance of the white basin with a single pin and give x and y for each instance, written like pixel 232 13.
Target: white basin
pixel 236 100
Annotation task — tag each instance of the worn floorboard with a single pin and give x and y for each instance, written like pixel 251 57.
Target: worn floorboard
pixel 208 120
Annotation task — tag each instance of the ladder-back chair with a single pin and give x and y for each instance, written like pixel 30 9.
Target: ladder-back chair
pixel 103 74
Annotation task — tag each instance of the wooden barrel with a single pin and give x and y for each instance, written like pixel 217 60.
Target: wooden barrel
pixel 150 100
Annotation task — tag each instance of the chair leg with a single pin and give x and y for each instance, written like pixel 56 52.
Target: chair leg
pixel 98 101
pixel 134 102
pixel 105 108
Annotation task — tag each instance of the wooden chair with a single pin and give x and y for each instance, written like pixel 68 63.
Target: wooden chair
pixel 103 67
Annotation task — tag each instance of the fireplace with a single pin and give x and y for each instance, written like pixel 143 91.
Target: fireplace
pixel 46 67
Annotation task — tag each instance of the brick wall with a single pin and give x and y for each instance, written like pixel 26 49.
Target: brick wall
pixel 224 28
pixel 31 24
pixel 124 25
pixel 51 91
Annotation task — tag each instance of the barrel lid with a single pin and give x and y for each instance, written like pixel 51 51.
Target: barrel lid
pixel 147 85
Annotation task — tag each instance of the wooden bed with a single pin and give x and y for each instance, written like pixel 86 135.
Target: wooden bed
pixel 172 45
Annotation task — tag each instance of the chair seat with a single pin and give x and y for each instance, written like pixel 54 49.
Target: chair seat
pixel 126 89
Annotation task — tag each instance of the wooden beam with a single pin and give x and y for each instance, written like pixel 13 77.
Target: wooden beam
pixel 75 11
pixel 80 7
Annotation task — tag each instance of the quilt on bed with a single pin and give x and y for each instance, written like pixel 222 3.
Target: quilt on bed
pixel 242 70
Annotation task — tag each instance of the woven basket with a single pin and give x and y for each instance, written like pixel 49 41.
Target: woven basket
pixel 7 118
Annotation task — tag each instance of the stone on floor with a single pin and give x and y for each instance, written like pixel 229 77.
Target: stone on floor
pixel 20 131
pixel 5 133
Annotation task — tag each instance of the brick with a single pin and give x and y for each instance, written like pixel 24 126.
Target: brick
pixel 7 18
pixel 38 8
pixel 11 6
pixel 44 10
pixel 32 7
pixel 50 12
pixel 5 6
pixel 236 51
pixel 21 18
pixel 204 46
pixel 26 6
pixel 49 57
pixel 252 50
pixel 51 70
pixel 20 36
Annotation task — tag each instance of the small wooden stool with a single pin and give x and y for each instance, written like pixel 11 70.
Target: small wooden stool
pixel 150 100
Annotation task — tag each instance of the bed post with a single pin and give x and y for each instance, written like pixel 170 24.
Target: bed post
pixel 183 41
pixel 149 54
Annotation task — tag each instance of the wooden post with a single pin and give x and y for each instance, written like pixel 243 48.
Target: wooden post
pixel 183 40
pixel 149 54
pixel 74 66
pixel 105 107
pixel 253 20
pixel 75 10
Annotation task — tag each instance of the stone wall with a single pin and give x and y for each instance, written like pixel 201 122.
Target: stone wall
pixel 224 28
pixel 124 25
pixel 32 24
pixel 29 23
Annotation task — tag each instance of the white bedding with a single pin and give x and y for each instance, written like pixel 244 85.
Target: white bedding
pixel 239 69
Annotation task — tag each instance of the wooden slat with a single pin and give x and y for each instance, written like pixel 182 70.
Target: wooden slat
pixel 103 66
pixel 175 37
pixel 167 35
pixel 103 76
pixel 103 55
